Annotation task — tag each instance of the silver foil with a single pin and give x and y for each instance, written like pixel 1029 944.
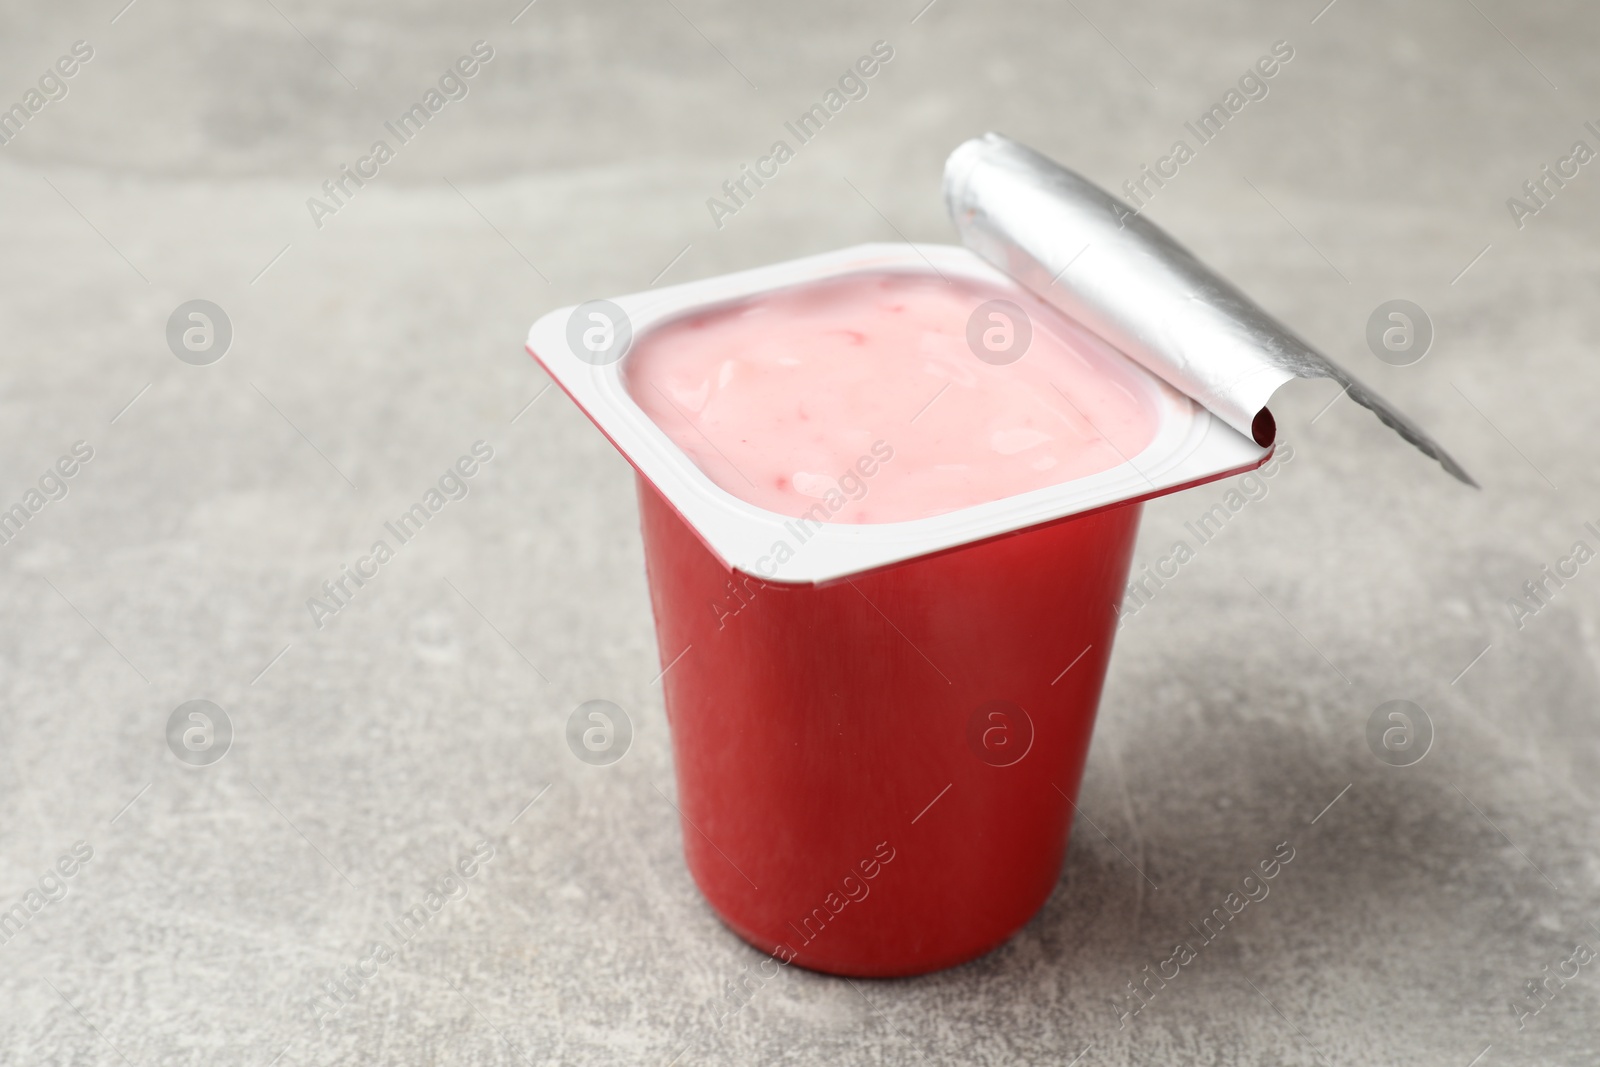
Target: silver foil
pixel 1083 251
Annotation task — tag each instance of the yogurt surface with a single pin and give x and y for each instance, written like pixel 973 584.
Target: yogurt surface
pixel 861 399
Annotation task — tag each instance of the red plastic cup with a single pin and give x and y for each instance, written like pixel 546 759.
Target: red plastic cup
pixel 877 757
pixel 877 774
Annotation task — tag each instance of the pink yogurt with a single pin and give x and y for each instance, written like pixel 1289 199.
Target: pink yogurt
pixel 863 392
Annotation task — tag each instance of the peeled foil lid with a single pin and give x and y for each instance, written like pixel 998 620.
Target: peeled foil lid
pixel 1083 251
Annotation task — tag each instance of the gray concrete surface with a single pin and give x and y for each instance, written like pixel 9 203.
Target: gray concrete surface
pixel 372 754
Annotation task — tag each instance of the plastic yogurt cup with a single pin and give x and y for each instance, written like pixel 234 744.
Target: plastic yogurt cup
pixel 880 700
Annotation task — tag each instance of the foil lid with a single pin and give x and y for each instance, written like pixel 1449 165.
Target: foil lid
pixel 1083 251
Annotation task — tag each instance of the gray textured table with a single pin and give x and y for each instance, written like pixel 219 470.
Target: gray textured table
pixel 374 340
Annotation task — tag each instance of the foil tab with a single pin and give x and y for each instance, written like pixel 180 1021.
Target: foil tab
pixel 1086 253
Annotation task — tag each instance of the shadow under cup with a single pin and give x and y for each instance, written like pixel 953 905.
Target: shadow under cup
pixel 877 774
